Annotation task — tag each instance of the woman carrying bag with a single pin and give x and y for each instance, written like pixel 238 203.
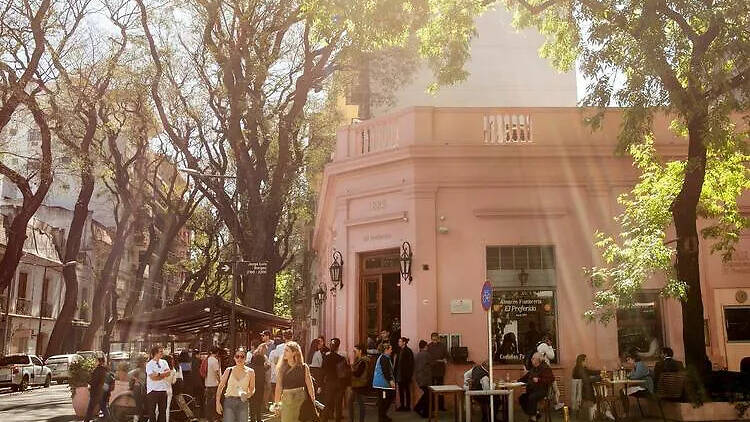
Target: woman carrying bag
pixel 294 384
pixel 239 381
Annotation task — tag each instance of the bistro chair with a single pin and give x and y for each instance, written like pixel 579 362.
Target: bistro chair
pixel 669 388
pixel 576 395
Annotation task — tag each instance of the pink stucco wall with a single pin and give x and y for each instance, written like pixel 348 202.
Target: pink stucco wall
pixel 445 180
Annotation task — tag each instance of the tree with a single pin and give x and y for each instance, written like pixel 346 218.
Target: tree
pixel 257 65
pixel 23 30
pixel 686 58
pixel 77 107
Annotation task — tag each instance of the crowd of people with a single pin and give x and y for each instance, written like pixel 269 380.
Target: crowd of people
pixel 275 375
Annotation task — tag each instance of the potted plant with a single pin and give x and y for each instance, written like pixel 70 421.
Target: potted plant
pixel 80 374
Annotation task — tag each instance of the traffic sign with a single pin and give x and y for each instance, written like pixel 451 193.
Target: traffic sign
pixel 487 295
pixel 225 267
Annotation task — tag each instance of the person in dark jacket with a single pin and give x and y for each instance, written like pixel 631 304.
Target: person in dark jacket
pixel 538 381
pixel 438 361
pixel 667 364
pixel 423 377
pixel 333 385
pixel 404 370
pixel 360 382
pixel 259 363
pixel 99 384
pixel 587 377
pixel 478 378
pixel 384 382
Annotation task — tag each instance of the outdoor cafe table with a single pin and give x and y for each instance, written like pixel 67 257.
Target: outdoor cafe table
pixel 623 384
pixel 502 389
pixel 443 390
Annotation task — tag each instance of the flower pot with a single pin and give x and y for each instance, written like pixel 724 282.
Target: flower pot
pixel 81 401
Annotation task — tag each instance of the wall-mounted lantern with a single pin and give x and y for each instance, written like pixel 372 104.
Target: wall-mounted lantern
pixel 523 277
pixel 320 296
pixel 405 260
pixel 336 269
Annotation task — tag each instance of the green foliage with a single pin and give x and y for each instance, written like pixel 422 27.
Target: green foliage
pixel 286 285
pixel 80 372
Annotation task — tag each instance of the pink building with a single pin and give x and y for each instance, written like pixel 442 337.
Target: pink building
pixel 513 196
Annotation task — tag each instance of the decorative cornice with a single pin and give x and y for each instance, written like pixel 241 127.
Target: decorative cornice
pixel 520 212
pixel 394 216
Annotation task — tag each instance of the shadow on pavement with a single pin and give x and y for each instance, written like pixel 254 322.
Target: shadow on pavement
pixel 63 418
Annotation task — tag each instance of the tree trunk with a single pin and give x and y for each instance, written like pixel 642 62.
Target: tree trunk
pixel 62 328
pixel 107 281
pixel 684 214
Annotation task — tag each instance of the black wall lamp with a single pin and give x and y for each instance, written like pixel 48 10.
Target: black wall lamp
pixel 406 261
pixel 523 277
pixel 336 268
pixel 333 291
pixel 320 296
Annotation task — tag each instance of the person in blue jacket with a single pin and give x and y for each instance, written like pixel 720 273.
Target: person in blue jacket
pixel 384 382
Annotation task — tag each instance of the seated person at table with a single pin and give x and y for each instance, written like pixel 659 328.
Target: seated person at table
pixel 587 376
pixel 667 364
pixel 640 372
pixel 478 378
pixel 538 380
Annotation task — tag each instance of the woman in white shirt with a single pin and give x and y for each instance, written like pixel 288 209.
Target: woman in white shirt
pixel 171 379
pixel 240 382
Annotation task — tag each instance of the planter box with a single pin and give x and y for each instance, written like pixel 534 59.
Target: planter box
pixel 713 411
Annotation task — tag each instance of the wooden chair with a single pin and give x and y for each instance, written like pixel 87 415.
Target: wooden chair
pixel 547 404
pixel 607 402
pixel 669 388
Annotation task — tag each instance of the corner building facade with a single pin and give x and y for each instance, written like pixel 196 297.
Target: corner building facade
pixel 510 195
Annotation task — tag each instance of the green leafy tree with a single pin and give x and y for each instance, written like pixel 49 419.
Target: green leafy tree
pixel 686 58
pixel 234 96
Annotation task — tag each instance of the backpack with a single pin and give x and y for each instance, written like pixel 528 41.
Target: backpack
pixel 343 372
pixel 204 368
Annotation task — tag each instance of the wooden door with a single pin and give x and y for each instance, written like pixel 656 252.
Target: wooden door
pixel 372 309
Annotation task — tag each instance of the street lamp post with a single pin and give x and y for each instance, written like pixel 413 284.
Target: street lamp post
pixel 232 319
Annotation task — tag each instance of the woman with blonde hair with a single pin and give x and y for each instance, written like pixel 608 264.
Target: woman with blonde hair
pixel 292 379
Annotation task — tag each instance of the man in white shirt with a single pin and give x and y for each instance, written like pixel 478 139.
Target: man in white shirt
pixel 157 371
pixel 548 355
pixel 213 374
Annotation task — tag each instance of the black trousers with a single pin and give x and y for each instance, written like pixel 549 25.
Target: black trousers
pixel 385 400
pixel 334 400
pixel 484 404
pixel 530 400
pixel 421 406
pixel 257 403
pixel 404 394
pixel 154 400
pixel 439 380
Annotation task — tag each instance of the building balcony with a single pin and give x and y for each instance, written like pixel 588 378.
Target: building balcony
pixel 499 128
pixel 46 310
pixel 23 306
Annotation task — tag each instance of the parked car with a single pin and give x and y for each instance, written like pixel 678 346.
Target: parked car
pixel 58 364
pixel 117 358
pixel 20 371
pixel 90 353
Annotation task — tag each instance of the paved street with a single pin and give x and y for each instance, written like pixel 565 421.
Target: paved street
pixel 37 405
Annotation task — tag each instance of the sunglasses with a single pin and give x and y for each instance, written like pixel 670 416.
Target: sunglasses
pixel 239 356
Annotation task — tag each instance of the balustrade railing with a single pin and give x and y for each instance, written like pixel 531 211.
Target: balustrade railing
pixel 507 128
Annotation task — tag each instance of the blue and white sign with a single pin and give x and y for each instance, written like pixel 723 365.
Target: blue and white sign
pixel 487 295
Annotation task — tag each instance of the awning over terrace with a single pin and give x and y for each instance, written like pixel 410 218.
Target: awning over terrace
pixel 209 314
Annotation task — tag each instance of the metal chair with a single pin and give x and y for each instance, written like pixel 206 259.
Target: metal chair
pixel 669 388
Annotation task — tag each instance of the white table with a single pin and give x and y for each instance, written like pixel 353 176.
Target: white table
pixel 504 390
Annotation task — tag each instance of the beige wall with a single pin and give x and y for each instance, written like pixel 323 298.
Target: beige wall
pixel 505 71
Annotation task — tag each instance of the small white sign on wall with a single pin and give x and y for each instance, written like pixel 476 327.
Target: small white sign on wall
pixel 461 306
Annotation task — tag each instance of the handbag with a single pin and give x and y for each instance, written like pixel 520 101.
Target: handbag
pixel 308 412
